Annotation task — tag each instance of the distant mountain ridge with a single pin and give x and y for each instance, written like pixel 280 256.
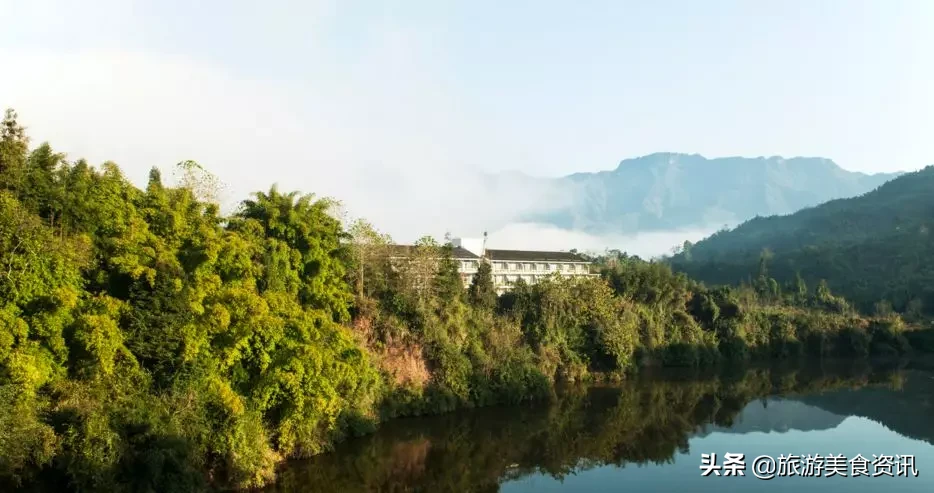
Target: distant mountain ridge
pixel 878 246
pixel 670 191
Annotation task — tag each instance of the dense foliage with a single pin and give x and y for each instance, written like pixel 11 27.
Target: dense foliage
pixel 149 343
pixel 873 248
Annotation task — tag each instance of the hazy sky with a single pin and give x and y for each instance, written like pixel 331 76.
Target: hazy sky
pixel 386 104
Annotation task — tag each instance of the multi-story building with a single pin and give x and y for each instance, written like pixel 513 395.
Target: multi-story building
pixel 509 266
pixel 532 266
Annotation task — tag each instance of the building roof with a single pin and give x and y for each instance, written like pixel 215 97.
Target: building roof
pixel 461 253
pixel 456 252
pixel 533 256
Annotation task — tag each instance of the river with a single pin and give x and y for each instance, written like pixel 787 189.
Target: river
pixel 650 434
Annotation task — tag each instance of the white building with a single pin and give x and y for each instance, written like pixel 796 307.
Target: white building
pixel 509 266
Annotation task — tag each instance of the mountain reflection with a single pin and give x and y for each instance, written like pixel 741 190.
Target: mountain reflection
pixel 645 421
pixel 776 414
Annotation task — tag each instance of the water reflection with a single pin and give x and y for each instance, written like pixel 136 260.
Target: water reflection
pixel 645 435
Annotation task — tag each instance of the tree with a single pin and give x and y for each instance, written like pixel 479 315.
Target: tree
pixel 823 291
pixel 40 192
pixel 686 250
pixel 775 291
pixel 205 186
pixel 304 248
pixel 801 288
pixel 369 250
pixel 449 286
pixel 14 148
pixel 482 293
pixel 761 283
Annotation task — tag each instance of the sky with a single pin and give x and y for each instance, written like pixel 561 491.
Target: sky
pixel 393 106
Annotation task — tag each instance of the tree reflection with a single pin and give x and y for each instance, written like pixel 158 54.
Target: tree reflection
pixel 644 421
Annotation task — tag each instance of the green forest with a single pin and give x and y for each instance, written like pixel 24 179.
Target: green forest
pixel 149 342
pixel 876 249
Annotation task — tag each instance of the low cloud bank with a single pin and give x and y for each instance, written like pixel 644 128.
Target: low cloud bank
pixel 532 236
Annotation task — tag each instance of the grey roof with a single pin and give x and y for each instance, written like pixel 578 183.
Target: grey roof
pixel 459 253
pixel 533 256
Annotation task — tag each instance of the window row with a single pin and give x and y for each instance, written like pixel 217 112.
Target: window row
pixel 526 266
pixel 538 266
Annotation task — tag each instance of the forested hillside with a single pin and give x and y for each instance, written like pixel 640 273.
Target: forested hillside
pixel 149 343
pixel 871 248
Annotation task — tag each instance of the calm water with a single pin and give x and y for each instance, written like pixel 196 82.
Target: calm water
pixel 648 435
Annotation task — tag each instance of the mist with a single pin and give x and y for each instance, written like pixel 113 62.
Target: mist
pixel 647 245
pixel 385 160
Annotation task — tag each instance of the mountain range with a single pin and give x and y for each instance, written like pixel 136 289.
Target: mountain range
pixel 669 191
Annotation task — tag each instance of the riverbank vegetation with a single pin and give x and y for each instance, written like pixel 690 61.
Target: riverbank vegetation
pixel 150 343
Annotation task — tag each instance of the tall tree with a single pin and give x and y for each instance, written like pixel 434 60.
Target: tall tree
pixel 368 253
pixel 304 248
pixel 449 286
pixel 482 293
pixel 14 149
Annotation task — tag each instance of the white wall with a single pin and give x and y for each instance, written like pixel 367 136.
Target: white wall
pixel 473 245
